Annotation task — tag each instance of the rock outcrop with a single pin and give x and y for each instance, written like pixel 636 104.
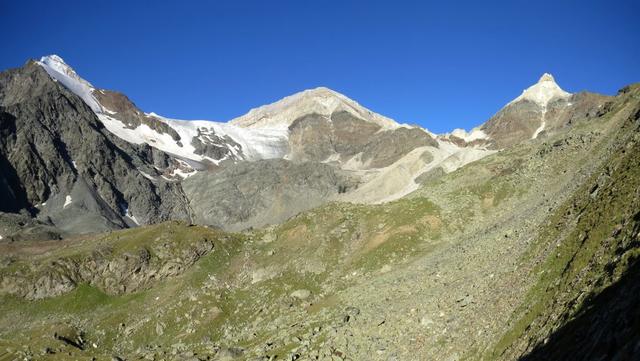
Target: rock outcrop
pixel 107 268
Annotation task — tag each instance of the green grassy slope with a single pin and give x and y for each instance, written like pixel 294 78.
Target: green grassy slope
pixel 587 245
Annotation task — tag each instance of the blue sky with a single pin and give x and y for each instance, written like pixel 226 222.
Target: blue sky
pixel 442 65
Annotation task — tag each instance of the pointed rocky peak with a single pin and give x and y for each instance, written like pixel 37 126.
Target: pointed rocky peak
pixel 321 100
pixel 541 93
pixel 58 70
pixel 55 62
pixel 546 77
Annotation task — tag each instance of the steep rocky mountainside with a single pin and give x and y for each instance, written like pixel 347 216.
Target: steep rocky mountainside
pixel 526 252
pixel 584 305
pixel 61 165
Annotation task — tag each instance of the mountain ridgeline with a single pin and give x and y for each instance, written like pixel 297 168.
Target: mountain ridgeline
pixel 103 164
pixel 315 229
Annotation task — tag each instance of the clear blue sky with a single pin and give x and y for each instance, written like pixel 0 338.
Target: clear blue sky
pixel 440 64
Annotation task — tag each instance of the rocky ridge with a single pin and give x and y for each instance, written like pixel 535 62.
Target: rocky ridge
pixel 110 268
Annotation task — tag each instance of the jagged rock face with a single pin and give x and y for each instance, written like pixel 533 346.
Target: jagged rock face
pixel 111 270
pixel 264 192
pixel 342 136
pixel 209 144
pixel 155 157
pixel 14 196
pixel 315 137
pixel 59 162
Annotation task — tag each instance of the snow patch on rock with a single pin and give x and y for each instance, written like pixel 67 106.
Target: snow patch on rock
pixel 147 175
pixel 543 123
pixel 258 143
pixel 182 174
pixel 474 134
pixel 131 216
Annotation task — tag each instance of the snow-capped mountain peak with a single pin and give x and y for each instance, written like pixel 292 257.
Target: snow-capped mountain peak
pixel 56 67
pixel 546 77
pixel 55 62
pixel 543 91
pixel 321 100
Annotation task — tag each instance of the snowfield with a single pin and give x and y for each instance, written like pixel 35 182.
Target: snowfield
pixel 253 144
pixel 474 134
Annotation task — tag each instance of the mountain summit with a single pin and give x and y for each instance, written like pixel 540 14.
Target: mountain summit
pixel 56 67
pixel 322 101
pixel 542 92
pixel 542 108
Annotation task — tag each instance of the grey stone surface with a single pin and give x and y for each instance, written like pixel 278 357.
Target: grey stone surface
pixel 253 194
